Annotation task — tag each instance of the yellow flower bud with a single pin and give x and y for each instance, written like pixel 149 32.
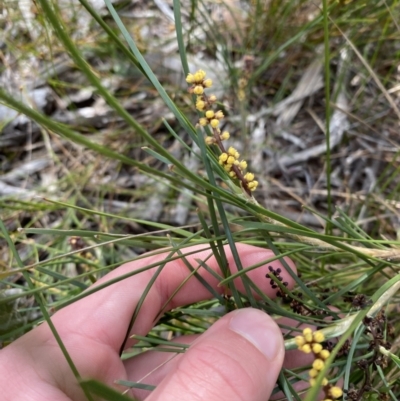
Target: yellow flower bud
pixel 299 340
pixel 223 157
pixel 306 348
pixel 219 114
pixel 198 90
pixel 210 114
pixel 318 364
pixel 324 354
pixel 253 185
pixel 207 83
pixel 324 381
pixel 316 348
pixel 335 392
pixel 212 98
pixel 231 160
pixel 209 140
pixel 242 83
pixel 313 373
pixel 190 78
pixel 214 123
pixel 312 382
pixel 307 333
pixel 241 95
pixel 225 135
pixel 243 164
pixel 249 177
pixel 200 105
pixel 203 121
pixel 318 336
pixel 228 167
pixel 233 152
pixel 232 174
pixel 199 75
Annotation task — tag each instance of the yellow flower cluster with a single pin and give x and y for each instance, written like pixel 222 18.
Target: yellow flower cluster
pixel 199 82
pixel 211 118
pixel 229 159
pixel 310 342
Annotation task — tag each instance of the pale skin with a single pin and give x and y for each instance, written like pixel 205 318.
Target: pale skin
pixel 238 358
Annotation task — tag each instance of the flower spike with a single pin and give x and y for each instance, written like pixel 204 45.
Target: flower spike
pixel 310 341
pixel 228 159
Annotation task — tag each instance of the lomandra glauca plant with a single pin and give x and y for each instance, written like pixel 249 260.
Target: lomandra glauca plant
pixel 361 258
pixel 229 159
pixel 310 342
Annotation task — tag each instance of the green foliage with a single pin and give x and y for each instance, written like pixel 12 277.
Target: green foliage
pixel 337 261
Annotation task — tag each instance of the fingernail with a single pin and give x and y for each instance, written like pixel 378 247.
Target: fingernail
pixel 258 328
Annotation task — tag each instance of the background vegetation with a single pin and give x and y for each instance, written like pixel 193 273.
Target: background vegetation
pixel 101 160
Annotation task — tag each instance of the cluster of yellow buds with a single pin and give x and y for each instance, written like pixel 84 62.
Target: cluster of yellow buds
pixel 199 82
pixel 310 342
pixel 211 118
pixel 229 159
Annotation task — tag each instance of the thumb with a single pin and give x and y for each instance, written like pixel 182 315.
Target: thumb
pixel 238 358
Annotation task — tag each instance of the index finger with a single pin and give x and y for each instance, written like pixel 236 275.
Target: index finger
pixel 105 315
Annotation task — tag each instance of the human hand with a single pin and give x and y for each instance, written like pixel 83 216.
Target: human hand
pixel 237 358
